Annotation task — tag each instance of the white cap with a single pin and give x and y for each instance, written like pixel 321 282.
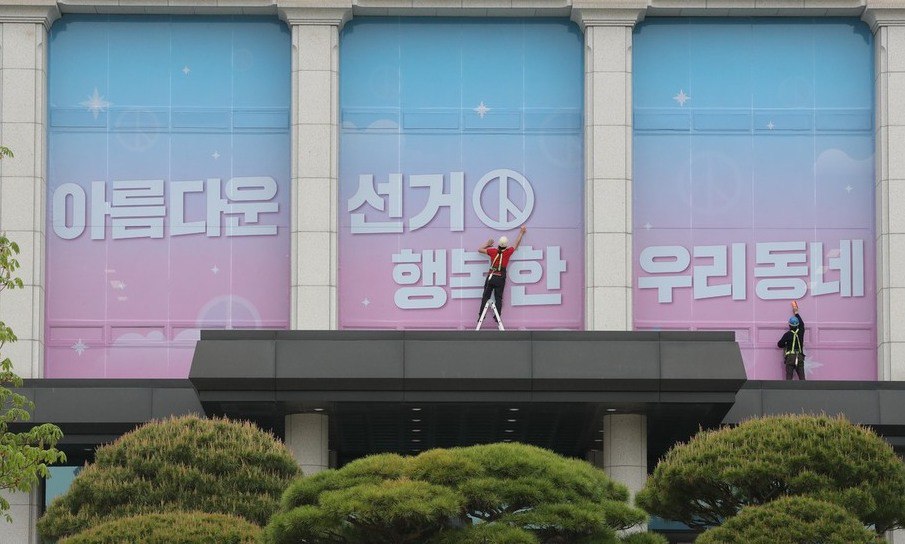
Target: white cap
pixel 504 241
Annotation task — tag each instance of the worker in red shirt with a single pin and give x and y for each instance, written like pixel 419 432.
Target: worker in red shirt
pixel 496 277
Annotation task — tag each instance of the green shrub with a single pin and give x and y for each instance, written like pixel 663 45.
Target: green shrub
pixel 182 464
pixel 172 528
pixel 643 538
pixel 791 520
pixel 488 533
pixel 520 494
pixel 717 473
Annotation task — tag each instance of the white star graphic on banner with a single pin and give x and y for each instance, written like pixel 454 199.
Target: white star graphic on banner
pixel 79 347
pixel 214 269
pixel 96 103
pixel 118 285
pixel 481 110
pixel 365 302
pixel 848 188
pixel 216 155
pixel 770 125
pixel 681 98
pixel 647 226
pixel 186 70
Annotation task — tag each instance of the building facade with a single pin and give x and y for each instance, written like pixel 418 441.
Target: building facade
pixel 333 166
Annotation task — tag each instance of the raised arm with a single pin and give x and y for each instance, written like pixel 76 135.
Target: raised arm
pixel 518 239
pixel 795 311
pixel 483 249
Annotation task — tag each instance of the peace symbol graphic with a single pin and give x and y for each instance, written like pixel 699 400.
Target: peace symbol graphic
pixel 137 130
pixel 506 207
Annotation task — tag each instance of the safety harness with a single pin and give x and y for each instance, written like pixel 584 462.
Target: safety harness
pixel 795 341
pixel 496 267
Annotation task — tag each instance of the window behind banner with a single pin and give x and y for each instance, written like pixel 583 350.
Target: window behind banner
pixel 754 186
pixel 168 189
pixel 454 131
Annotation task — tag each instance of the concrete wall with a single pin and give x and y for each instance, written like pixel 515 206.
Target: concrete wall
pixel 315 25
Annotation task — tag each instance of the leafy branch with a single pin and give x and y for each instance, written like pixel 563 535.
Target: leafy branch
pixel 24 456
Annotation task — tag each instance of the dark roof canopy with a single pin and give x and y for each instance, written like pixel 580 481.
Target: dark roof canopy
pixel 465 387
pixel 406 391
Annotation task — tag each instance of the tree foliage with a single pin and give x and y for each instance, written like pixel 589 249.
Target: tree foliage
pixel 791 520
pixel 24 456
pixel 500 493
pixel 644 538
pixel 171 528
pixel 717 473
pixel 180 464
pixel 487 533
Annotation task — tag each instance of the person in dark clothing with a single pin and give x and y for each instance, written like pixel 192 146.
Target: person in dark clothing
pixel 792 344
pixel 496 277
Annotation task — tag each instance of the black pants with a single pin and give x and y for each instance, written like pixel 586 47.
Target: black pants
pixel 794 363
pixel 494 284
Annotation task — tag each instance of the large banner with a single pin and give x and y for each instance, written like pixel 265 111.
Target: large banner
pixel 168 189
pixel 455 131
pixel 753 186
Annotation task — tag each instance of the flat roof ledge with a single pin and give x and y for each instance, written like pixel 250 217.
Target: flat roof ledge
pixel 277 366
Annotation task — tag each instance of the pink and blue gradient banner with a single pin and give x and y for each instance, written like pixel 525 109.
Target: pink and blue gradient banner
pixel 753 186
pixel 455 131
pixel 168 189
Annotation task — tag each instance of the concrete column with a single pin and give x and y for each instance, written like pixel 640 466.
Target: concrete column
pixel 887 22
pixel 23 103
pixel 625 450
pixel 896 537
pixel 25 510
pixel 608 161
pixel 315 156
pixel 888 26
pixel 307 437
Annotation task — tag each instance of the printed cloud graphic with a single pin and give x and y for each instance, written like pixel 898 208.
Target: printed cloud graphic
pixel 229 311
pixel 837 165
pixel 187 336
pixel 137 338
